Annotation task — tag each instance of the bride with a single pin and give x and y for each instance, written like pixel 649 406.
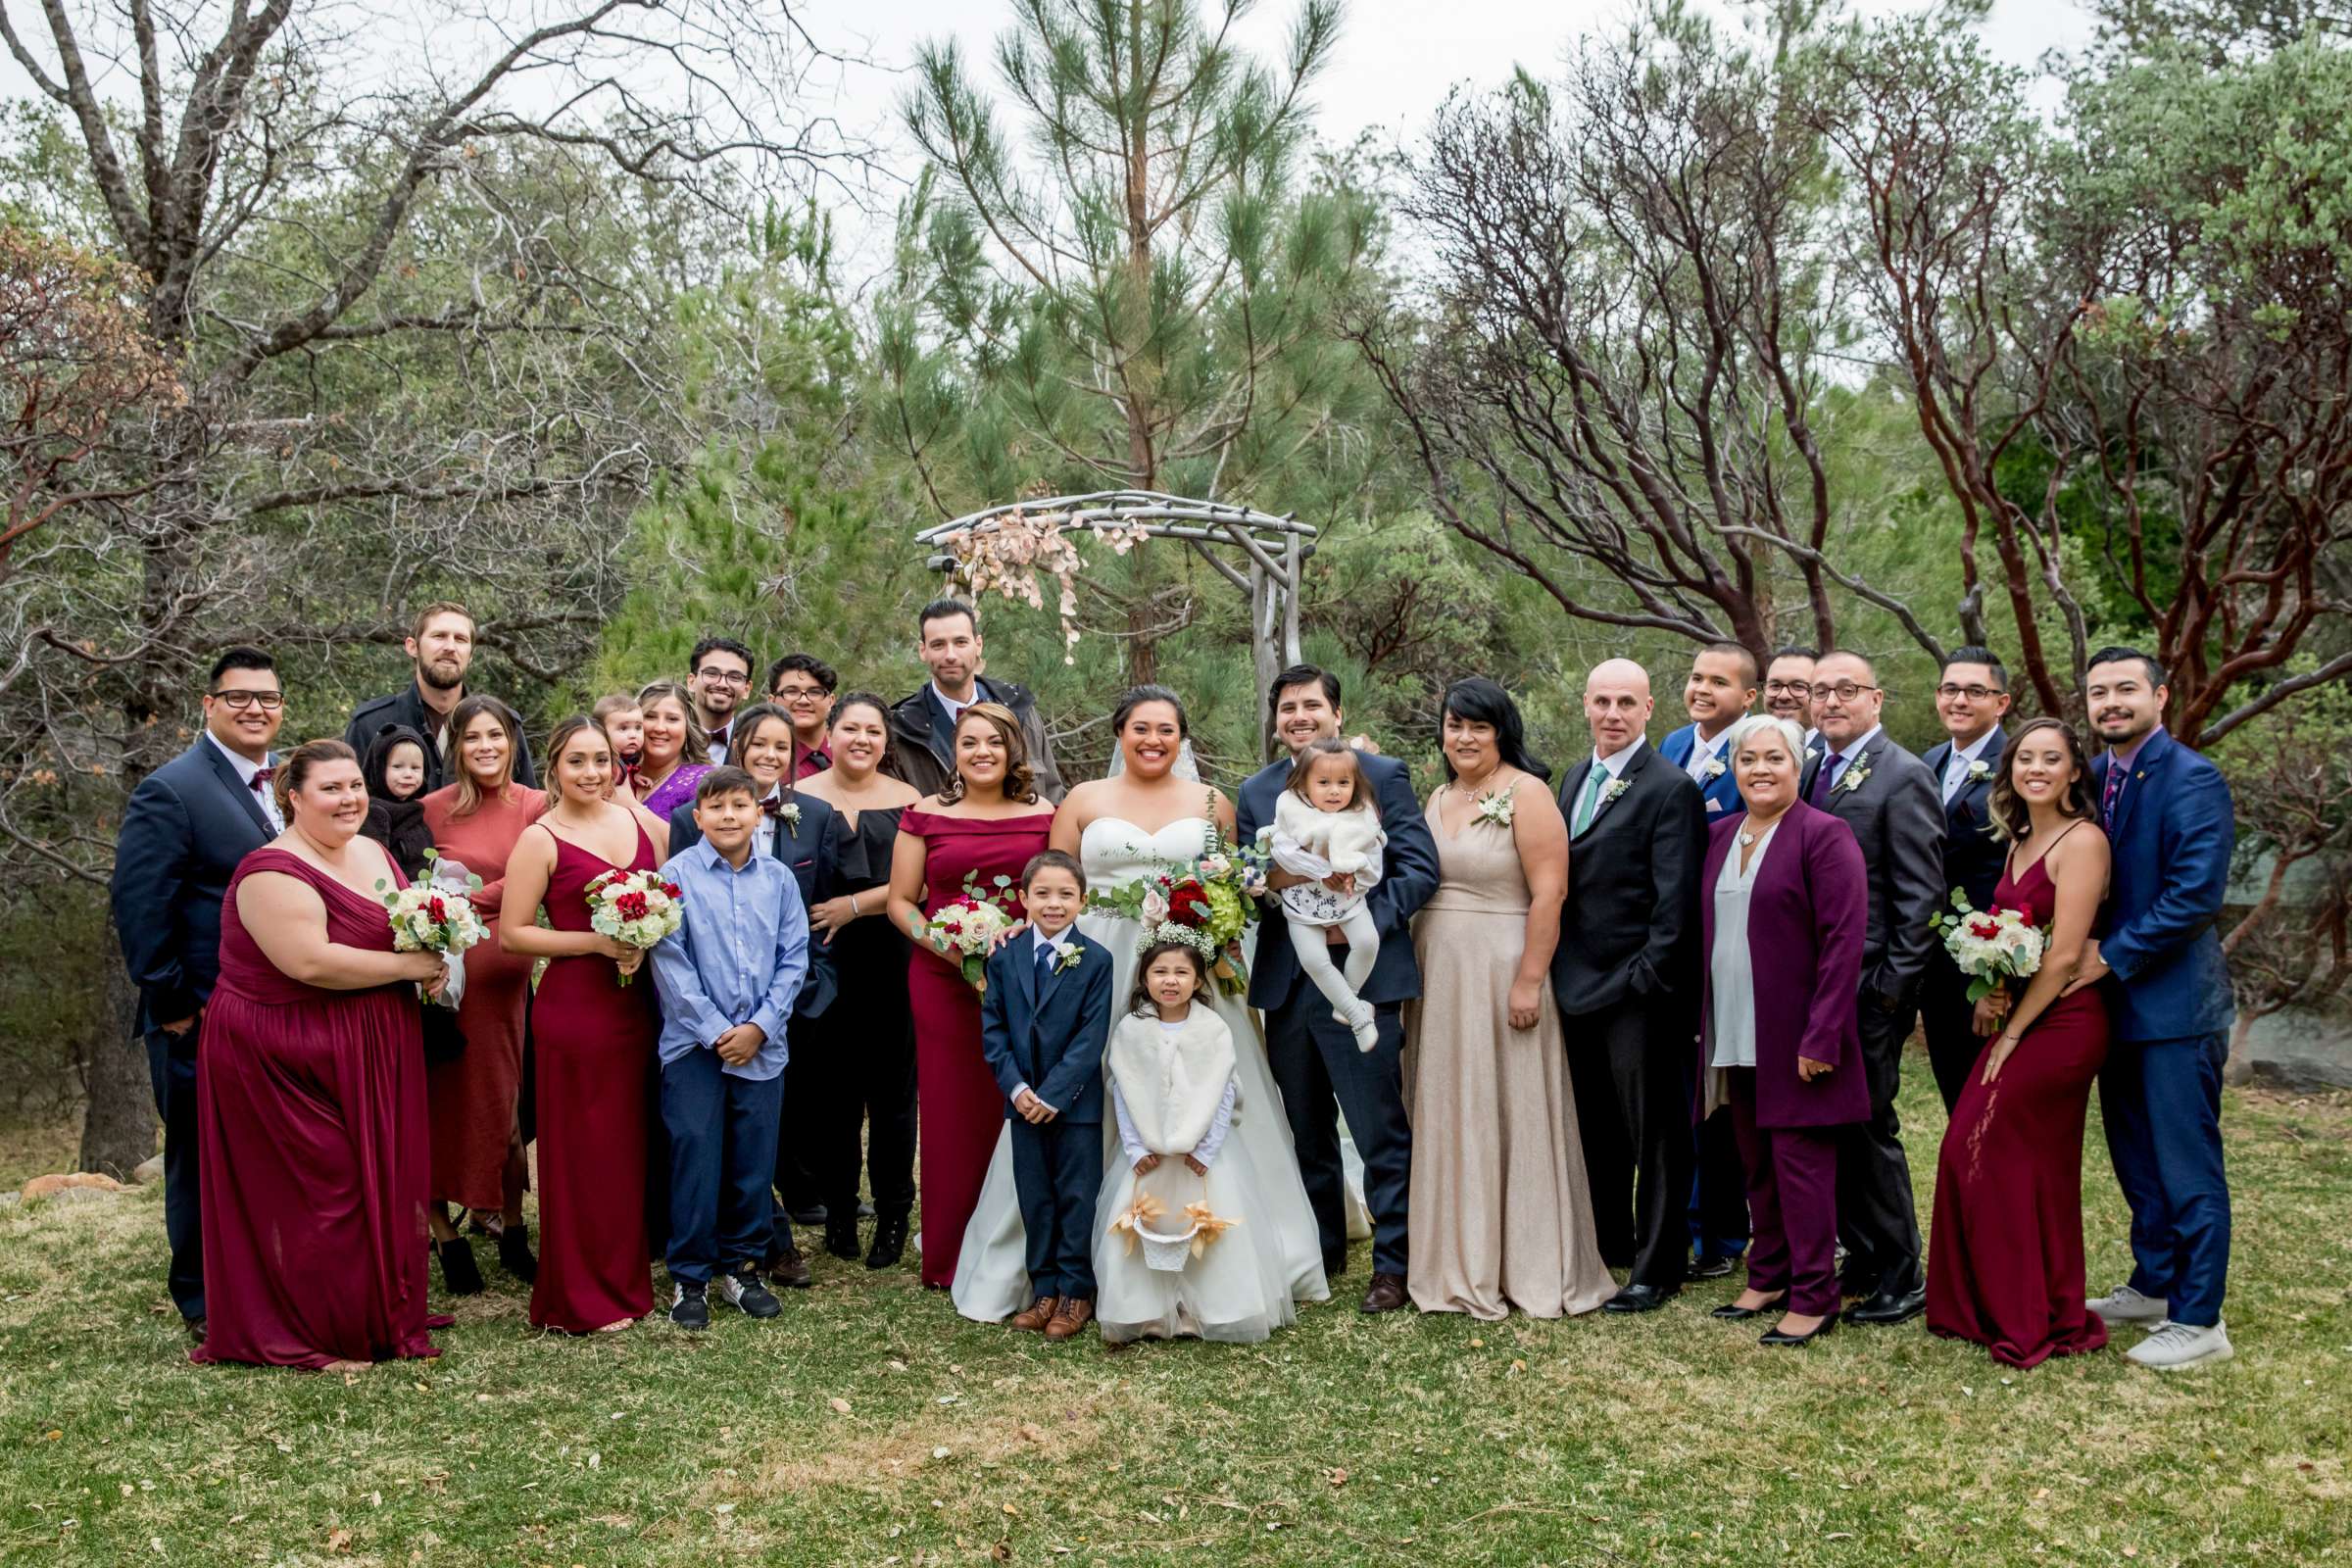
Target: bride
pixel 1152 810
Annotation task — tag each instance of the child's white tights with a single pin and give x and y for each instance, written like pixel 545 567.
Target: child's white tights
pixel 1339 987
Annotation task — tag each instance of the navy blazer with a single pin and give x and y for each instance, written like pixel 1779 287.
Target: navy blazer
pixel 187 825
pixel 1630 925
pixel 1721 792
pixel 2175 831
pixel 1407 879
pixel 1973 858
pixel 810 851
pixel 1051 1037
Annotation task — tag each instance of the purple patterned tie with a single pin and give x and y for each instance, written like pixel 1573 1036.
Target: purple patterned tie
pixel 1822 779
pixel 2112 794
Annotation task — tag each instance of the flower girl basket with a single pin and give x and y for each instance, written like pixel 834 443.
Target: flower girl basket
pixel 1171 1235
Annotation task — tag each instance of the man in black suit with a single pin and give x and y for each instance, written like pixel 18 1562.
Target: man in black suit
pixel 1314 1056
pixel 922 723
pixel 1625 976
pixel 1887 797
pixel 440 649
pixel 1971 699
pixel 187 825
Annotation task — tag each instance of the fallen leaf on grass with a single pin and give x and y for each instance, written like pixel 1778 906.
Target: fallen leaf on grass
pixel 841 1406
pixel 1338 1478
pixel 1010 1512
pixel 338 1540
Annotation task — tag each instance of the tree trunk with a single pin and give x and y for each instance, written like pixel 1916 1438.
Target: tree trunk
pixel 117 1127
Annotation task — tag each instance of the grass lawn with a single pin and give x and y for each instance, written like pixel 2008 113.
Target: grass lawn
pixel 870 1425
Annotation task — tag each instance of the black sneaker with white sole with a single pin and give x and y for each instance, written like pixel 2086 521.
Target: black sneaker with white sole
pixel 690 1305
pixel 743 1290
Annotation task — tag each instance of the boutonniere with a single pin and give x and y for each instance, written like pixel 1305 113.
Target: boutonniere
pixel 1714 767
pixel 1494 809
pixel 1618 786
pixel 1856 772
pixel 1066 955
pixel 1978 770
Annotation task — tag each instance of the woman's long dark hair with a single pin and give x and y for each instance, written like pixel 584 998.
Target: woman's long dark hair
pixel 1020 780
pixel 2010 820
pixel 555 741
pixel 470 794
pixel 1139 995
pixel 1481 700
pixel 745 724
pixel 379 761
pixel 883 764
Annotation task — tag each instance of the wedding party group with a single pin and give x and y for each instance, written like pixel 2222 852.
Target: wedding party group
pixel 1151 1054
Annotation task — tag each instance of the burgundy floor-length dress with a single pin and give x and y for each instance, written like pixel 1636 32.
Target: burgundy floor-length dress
pixel 311 1126
pixel 474 1093
pixel 596 1039
pixel 960 1111
pixel 2005 1254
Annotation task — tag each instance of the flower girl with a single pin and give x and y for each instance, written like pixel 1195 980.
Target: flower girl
pixel 1177 1257
pixel 1325 824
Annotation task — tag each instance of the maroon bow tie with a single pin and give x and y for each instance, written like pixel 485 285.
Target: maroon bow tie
pixel 262 777
pixel 774 806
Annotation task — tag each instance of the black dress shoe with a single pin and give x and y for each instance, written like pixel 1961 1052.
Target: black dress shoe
pixel 814 1214
pixel 1733 1312
pixel 841 1239
pixel 460 1274
pixel 890 1242
pixel 515 1254
pixel 1639 1298
pixel 1334 1265
pixel 1713 1268
pixel 1773 1336
pixel 1888 1306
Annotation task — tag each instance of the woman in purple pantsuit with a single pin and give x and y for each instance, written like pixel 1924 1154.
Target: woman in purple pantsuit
pixel 1784 907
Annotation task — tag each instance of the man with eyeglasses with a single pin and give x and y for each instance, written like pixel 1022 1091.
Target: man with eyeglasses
pixel 1788 691
pixel 718 676
pixel 1972 697
pixel 187 825
pixel 1889 799
pixel 440 650
pixel 802 685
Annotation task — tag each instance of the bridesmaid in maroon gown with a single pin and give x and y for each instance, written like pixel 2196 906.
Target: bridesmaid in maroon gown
pixel 988 820
pixel 310 1096
pixel 2005 1255
pixel 596 1042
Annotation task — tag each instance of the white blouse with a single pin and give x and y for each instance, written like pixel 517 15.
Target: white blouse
pixel 1730 968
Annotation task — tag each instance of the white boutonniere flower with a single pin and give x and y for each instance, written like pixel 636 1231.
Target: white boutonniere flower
pixel 1714 767
pixel 1066 955
pixel 1856 772
pixel 1978 770
pixel 1618 786
pixel 1496 808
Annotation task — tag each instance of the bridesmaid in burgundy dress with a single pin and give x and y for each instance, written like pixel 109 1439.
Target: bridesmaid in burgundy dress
pixel 310 1096
pixel 2005 1259
pixel 596 1039
pixel 988 820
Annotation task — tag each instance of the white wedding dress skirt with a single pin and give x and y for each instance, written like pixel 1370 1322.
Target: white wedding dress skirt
pixel 1276 1238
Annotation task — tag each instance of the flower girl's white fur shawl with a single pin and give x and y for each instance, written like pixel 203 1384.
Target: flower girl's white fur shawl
pixel 1172 1080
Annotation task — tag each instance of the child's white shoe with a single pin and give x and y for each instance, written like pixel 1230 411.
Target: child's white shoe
pixel 1364 1022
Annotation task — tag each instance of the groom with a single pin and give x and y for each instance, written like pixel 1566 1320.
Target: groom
pixel 1312 1054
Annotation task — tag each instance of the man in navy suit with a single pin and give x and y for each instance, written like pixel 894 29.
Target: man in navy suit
pixel 187 825
pixel 1719 693
pixel 1312 1055
pixel 2168 812
pixel 1045 1020
pixel 1971 699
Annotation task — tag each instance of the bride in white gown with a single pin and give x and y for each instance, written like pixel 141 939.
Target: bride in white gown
pixel 1107 824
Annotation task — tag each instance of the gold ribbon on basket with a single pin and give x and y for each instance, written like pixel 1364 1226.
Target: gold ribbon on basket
pixel 1143 1211
pixel 1206 1227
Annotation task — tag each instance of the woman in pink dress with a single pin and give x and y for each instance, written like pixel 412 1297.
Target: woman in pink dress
pixel 987 822
pixel 596 1040
pixel 2005 1254
pixel 477 1140
pixel 309 1095
pixel 675 757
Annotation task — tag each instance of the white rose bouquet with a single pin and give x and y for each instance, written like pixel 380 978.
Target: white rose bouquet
pixel 635 908
pixel 1992 946
pixel 435 916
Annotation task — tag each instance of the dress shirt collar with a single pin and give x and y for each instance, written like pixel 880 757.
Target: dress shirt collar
pixel 704 857
pixel 2123 758
pixel 954 707
pixel 1854 748
pixel 245 768
pixel 1962 755
pixel 1038 939
pixel 1616 764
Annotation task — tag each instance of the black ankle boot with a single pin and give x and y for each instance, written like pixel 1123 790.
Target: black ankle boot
pixel 841 1237
pixel 515 1254
pixel 890 1242
pixel 460 1274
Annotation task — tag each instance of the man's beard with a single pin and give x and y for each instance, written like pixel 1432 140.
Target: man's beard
pixel 427 675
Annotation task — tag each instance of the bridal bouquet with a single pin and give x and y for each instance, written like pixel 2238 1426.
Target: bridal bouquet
pixel 1212 897
pixel 635 908
pixel 435 915
pixel 1992 946
pixel 966 927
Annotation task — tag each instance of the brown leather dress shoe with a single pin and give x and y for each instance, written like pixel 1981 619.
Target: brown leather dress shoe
pixel 1037 1315
pixel 1386 1293
pixel 787 1267
pixel 1074 1314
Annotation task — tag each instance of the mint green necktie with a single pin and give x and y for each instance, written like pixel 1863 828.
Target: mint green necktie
pixel 1592 798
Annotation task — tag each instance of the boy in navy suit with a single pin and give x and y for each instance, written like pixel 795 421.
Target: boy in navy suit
pixel 1045 1020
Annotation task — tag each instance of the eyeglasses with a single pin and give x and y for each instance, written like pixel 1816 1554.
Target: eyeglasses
pixel 723 678
pixel 797 694
pixel 1975 693
pixel 1845 691
pixel 239 700
pixel 1791 688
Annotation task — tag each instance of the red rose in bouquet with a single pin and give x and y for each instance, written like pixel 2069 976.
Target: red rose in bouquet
pixel 1188 906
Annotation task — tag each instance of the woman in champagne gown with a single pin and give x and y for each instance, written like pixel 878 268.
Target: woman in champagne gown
pixel 1501 1213
pixel 1154 780
pixel 2005 1253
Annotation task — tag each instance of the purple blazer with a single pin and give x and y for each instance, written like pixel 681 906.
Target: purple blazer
pixel 1806 920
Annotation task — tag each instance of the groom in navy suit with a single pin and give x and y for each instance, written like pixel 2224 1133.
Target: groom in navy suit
pixel 1314 1056
pixel 2169 815
pixel 1971 699
pixel 187 825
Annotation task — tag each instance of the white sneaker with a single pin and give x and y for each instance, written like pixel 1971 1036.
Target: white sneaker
pixel 2124 1304
pixel 2175 1345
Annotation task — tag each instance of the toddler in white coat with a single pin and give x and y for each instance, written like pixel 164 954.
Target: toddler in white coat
pixel 1326 825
